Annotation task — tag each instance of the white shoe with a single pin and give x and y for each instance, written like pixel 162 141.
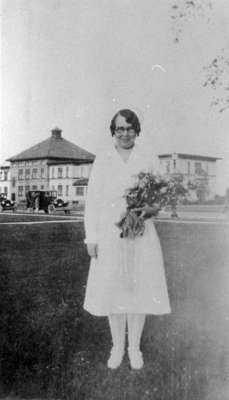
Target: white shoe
pixel 115 358
pixel 136 359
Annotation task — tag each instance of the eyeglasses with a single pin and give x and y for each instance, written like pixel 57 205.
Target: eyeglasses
pixel 121 129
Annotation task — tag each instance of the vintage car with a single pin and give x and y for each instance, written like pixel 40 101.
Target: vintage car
pixel 41 200
pixel 6 204
pixel 45 200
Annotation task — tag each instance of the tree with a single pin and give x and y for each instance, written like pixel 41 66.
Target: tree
pixel 182 11
pixel 217 71
pixel 217 78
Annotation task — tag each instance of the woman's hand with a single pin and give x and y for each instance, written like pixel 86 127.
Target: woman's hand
pixel 148 211
pixel 92 249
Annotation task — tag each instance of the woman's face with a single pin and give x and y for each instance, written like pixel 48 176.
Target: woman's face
pixel 125 135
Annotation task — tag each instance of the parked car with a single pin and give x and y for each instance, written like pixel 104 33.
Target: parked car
pixel 46 200
pixel 6 204
pixel 41 200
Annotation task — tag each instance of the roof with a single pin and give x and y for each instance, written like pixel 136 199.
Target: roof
pixel 55 148
pixel 189 156
pixel 81 182
pixel 4 167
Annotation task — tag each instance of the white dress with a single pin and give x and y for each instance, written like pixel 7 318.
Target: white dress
pixel 128 274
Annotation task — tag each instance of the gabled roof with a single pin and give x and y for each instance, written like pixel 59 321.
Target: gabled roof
pixel 54 148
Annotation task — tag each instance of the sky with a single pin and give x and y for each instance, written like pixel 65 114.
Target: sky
pixel 73 63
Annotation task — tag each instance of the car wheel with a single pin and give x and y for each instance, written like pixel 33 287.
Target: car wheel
pixel 60 202
pixel 51 209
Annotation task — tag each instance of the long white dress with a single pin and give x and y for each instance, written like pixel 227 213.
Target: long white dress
pixel 128 274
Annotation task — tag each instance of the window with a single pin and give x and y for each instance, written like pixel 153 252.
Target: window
pixel 167 167
pixel 67 190
pixel 67 172
pixel 34 173
pixel 20 191
pixel 79 190
pixel 189 168
pixel 34 187
pixel 90 167
pixel 86 171
pixel 42 187
pixel 60 172
pixel 174 164
pixel 6 190
pixel 20 174
pixel 53 172
pixel 27 173
pixel 42 172
pixel 198 168
pixel 59 190
pixel 53 187
pixel 6 175
pixel 81 170
pixel 27 188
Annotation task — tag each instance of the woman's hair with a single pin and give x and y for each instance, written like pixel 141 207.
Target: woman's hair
pixel 130 117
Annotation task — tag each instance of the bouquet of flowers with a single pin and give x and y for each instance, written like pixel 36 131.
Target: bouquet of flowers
pixel 149 190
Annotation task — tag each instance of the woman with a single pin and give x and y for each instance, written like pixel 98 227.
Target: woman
pixel 126 279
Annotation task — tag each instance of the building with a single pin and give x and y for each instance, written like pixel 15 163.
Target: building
pixel 53 164
pixel 194 168
pixel 5 183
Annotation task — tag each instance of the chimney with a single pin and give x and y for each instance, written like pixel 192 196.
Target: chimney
pixel 56 133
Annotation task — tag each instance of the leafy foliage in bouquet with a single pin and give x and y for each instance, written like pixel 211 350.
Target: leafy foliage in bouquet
pixel 149 190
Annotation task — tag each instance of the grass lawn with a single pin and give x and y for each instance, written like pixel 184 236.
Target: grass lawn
pixel 6 218
pixel 52 348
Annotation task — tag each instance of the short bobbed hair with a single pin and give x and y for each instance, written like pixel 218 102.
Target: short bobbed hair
pixel 130 117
